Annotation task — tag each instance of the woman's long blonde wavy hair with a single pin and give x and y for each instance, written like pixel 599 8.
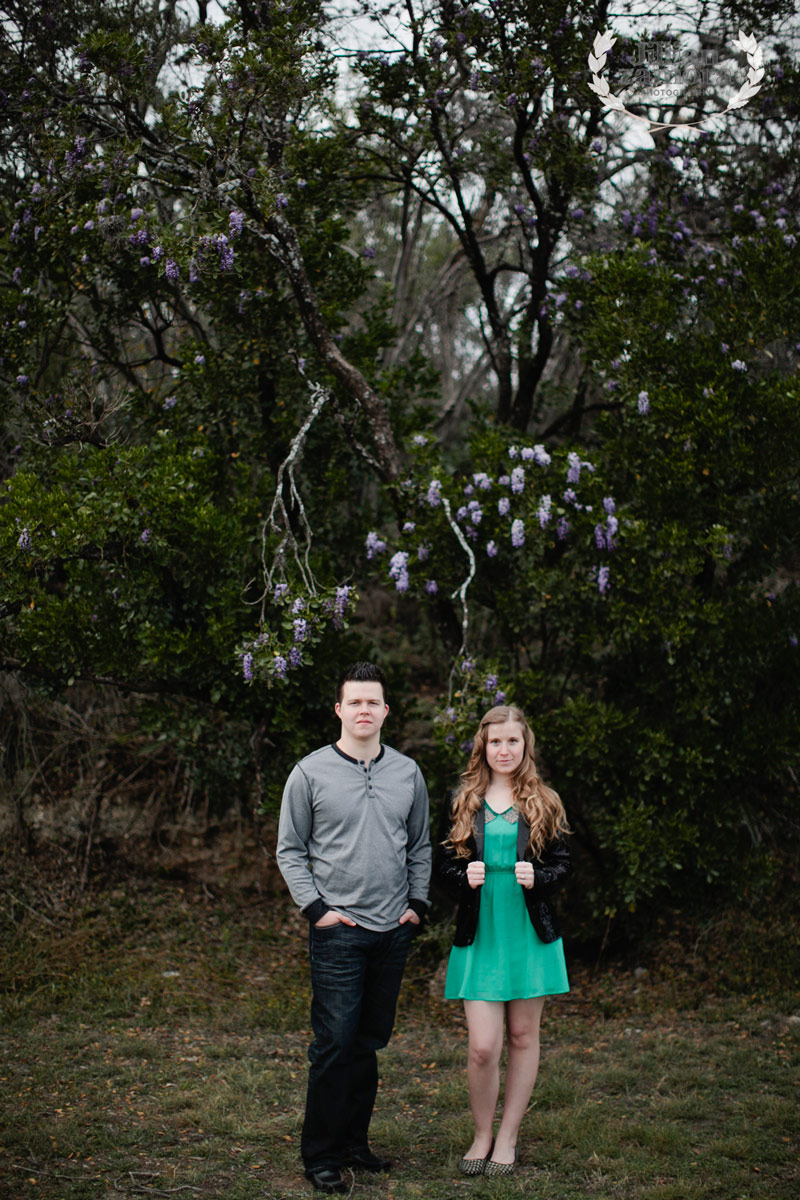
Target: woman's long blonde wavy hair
pixel 539 805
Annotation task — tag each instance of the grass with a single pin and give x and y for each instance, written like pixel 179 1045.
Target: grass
pixel 154 1043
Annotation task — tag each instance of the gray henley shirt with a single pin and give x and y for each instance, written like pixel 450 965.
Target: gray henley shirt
pixel 355 837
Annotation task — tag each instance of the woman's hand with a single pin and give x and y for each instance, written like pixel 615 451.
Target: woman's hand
pixel 524 874
pixel 476 874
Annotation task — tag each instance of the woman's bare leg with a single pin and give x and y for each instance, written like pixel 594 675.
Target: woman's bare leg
pixel 485 1022
pixel 524 1018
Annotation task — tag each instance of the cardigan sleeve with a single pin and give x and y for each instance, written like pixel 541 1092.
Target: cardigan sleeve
pixel 552 870
pixel 449 868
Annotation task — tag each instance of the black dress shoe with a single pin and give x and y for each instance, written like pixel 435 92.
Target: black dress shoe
pixel 326 1179
pixel 365 1160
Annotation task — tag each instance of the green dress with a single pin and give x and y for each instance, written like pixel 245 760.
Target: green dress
pixel 508 960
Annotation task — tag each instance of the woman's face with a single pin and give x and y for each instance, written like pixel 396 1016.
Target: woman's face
pixel 505 747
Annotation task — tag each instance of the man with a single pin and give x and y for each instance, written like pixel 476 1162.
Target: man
pixel 354 848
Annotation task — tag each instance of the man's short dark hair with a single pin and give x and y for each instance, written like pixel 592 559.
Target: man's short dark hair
pixel 361 672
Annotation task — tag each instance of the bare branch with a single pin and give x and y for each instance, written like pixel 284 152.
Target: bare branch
pixel 461 592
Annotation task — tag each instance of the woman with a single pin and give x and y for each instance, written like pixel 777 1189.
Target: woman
pixel 505 856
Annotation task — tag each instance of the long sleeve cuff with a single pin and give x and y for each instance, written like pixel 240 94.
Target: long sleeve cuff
pixel 420 907
pixel 315 910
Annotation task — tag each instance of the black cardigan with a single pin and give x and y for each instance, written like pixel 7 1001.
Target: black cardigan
pixel 550 872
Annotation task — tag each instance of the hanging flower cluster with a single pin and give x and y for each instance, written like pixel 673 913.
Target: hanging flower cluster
pixel 476 689
pixel 530 506
pixel 297 622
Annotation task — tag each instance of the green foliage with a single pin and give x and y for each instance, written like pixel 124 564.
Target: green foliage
pixel 647 618
pixel 220 375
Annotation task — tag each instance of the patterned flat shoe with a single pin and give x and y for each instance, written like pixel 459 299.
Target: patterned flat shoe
pixel 472 1166
pixel 495 1168
pixel 475 1166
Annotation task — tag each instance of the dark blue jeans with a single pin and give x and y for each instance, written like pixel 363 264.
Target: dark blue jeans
pixel 355 982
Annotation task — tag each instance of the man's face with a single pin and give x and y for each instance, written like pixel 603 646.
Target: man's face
pixel 362 709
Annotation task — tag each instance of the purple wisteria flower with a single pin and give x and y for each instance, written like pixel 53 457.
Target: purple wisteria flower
pixel 281 201
pixel 409 527
pixel 603 580
pixel 145 535
pixel 482 480
pixel 398 569
pixel 518 479
pixel 562 528
pixel 612 525
pixel 280 590
pixel 339 605
pixel 172 270
pixel 543 511
pixel 300 626
pixel 491 549
pixel 513 451
pixel 491 683
pixel 517 533
pixel 223 247
pixel 295 656
pixel 236 222
pixel 419 439
pixel 423 553
pixel 541 457
pixel 297 606
pixel 499 697
pixel 247 667
pixel 279 666
pixel 374 544
pixel 503 505
pixel 24 540
pixel 434 495
pixel 738 365
pixel 431 587
pixel 609 505
pixel 643 403
pixel 600 537
pixel 574 467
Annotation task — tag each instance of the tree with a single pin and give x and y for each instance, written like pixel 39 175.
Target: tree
pixel 221 421
pixel 153 369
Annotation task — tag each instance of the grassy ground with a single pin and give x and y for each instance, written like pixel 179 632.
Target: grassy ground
pixel 153 1043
